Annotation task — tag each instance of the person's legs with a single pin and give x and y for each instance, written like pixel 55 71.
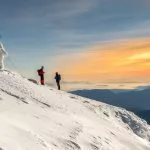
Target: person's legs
pixel 42 79
pixel 58 85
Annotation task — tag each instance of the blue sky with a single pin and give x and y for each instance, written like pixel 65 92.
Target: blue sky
pixel 36 32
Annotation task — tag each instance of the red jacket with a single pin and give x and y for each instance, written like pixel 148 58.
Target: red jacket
pixel 41 72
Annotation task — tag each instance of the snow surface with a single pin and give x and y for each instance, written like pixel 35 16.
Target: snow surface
pixel 35 117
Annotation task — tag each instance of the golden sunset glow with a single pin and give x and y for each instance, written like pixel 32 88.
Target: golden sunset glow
pixel 127 61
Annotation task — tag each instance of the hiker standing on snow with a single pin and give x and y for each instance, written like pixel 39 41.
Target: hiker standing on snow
pixel 41 74
pixel 3 53
pixel 58 78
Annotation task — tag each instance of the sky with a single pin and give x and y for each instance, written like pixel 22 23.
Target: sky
pixel 91 42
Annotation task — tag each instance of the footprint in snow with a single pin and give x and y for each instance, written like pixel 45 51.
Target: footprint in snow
pixel 76 131
pixel 51 89
pixel 86 102
pixel 94 147
pixel 70 145
pixel 108 141
pixel 113 133
pixel 73 97
pixel 40 140
pixel 106 114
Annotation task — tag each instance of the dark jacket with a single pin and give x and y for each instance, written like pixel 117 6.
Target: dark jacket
pixel 58 77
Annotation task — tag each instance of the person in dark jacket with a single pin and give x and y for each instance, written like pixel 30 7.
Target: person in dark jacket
pixel 58 78
pixel 41 74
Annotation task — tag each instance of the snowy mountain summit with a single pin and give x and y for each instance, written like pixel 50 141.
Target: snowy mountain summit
pixel 35 117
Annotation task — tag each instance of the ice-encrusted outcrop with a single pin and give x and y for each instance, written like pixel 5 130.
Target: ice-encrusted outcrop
pixel 3 53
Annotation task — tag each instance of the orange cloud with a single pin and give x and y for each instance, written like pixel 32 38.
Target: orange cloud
pixel 116 62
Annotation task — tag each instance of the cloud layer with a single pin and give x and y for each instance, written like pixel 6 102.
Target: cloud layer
pixel 126 61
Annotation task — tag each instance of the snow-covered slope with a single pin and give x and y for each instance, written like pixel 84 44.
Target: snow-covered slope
pixel 34 117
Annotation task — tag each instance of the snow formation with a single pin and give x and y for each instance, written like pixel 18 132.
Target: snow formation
pixel 3 53
pixel 35 117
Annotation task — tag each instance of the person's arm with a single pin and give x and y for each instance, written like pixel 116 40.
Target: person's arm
pixel 42 71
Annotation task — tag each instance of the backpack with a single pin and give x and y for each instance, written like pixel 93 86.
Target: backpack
pixel 39 72
pixel 59 77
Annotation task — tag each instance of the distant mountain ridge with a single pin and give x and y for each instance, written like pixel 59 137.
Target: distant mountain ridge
pixel 137 100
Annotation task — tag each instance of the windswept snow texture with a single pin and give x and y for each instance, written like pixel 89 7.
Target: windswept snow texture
pixel 35 117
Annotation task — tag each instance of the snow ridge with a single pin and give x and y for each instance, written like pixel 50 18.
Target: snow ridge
pixel 39 117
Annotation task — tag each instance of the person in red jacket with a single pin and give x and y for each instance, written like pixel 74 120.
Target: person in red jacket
pixel 41 74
